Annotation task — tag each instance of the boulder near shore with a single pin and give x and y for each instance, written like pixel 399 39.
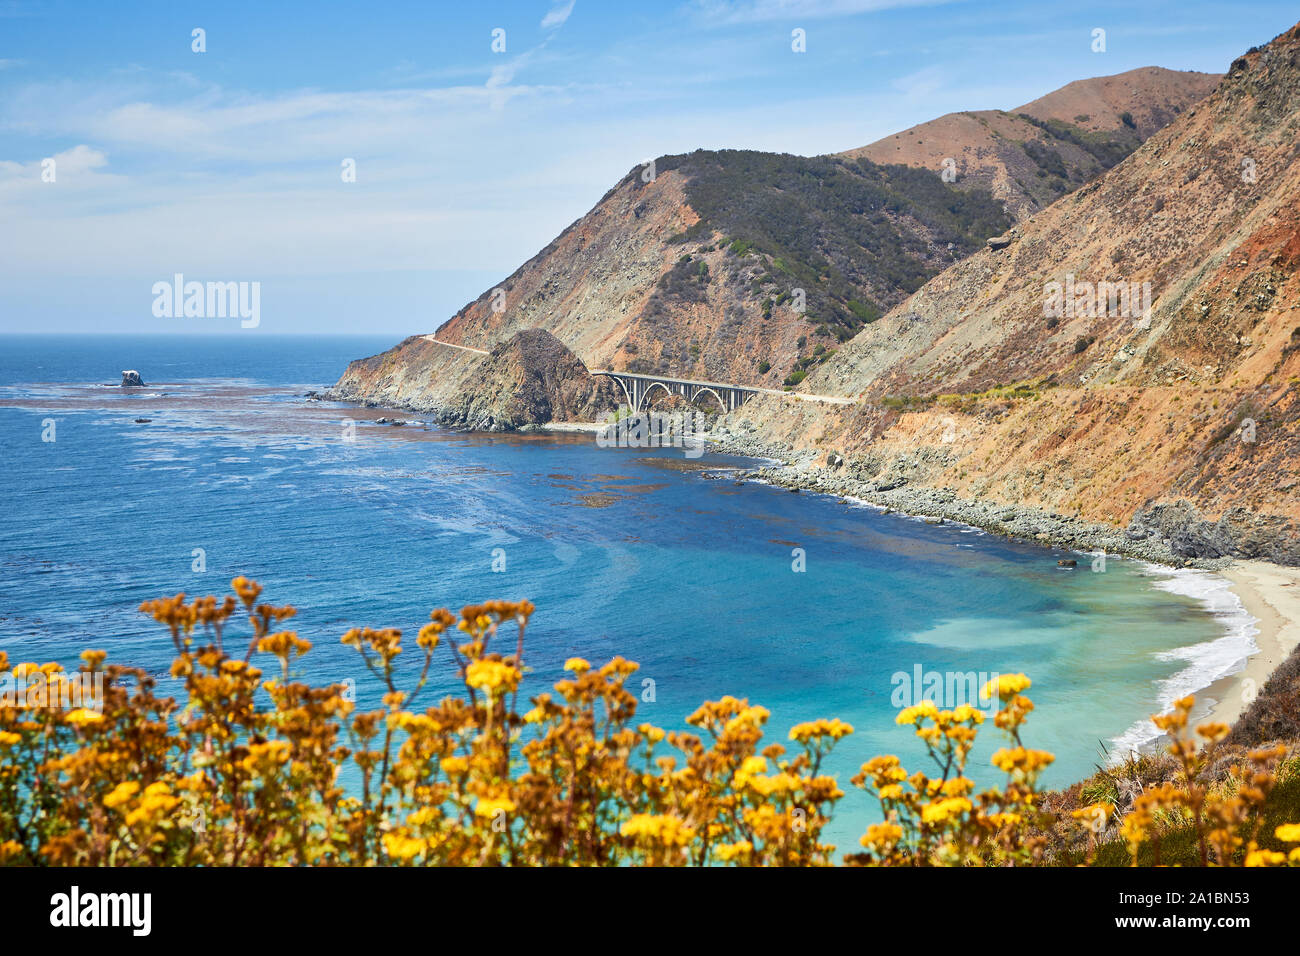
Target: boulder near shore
pixel 131 379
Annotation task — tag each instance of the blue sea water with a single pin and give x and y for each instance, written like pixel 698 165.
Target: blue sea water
pixel 644 553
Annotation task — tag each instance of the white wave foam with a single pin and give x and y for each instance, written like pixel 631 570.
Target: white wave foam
pixel 1207 661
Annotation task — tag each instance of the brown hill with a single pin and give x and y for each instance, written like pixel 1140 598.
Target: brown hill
pixel 1184 422
pixel 732 266
pixel 753 268
pixel 1030 156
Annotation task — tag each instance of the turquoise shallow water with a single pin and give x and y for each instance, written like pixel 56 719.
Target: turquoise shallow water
pixel 622 551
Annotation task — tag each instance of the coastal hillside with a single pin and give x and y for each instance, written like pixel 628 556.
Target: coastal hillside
pixel 1017 377
pixel 733 266
pixel 1030 156
pixel 526 379
pixel 752 268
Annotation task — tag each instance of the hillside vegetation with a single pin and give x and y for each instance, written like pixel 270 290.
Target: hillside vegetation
pixel 854 235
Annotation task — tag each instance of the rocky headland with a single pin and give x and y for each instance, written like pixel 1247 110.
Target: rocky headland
pixel 529 379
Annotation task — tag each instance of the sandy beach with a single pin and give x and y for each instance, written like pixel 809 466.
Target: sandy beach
pixel 1271 594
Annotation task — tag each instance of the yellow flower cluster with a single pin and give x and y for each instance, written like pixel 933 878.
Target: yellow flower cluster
pixel 944 810
pixel 1006 686
pixel 833 729
pixel 247 770
pixel 493 676
pixel 668 831
pixel 1021 761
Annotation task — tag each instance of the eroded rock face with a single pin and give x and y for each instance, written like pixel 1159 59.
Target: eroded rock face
pixel 1237 533
pixel 131 379
pixel 529 379
pixel 1174 420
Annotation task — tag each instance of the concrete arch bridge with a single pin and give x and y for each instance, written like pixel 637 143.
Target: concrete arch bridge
pixel 638 388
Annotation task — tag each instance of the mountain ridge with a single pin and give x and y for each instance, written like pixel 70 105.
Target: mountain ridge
pixel 722 265
pixel 1031 155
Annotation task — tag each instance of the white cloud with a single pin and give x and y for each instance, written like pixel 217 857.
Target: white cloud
pixel 219 126
pixel 235 183
pixel 558 14
pixel 74 170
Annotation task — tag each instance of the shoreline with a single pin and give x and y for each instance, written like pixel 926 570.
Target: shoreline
pixel 1270 593
pixel 1008 520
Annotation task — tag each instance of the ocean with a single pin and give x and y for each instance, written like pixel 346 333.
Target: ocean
pixel 808 605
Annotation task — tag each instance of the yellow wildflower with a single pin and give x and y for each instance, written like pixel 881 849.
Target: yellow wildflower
pixel 121 794
pixel 881 836
pixel 667 830
pixel 1006 686
pixel 454 766
pixel 493 676
pixel 728 852
pixel 402 847
pixel 82 716
pixel 1288 833
pixel 491 806
pixel 909 715
pixel 1265 858
pixel 943 810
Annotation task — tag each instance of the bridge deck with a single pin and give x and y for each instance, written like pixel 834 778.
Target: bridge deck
pixel 677 381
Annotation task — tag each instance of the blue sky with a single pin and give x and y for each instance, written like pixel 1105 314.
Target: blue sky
pixel 225 165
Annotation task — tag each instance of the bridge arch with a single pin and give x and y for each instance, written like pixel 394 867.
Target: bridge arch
pixel 626 394
pixel 637 388
pixel 645 396
pixel 722 405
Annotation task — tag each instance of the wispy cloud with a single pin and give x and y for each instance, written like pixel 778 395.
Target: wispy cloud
pixel 76 160
pixel 558 14
pixel 923 83
pixel 76 170
pixel 467 161
pixel 219 125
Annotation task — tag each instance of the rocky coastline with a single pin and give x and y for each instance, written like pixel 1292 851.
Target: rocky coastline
pixel 1164 534
pixel 801 471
